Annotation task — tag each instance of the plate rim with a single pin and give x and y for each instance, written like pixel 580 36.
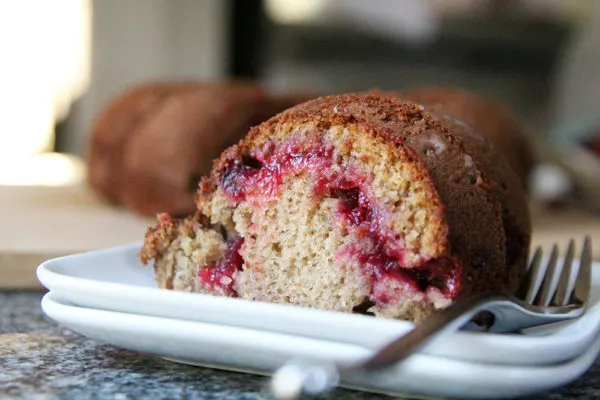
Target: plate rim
pixel 563 373
pixel 78 286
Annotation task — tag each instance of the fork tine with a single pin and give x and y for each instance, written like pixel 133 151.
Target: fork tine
pixel 561 297
pixel 549 282
pixel 531 283
pixel 525 285
pixel 584 274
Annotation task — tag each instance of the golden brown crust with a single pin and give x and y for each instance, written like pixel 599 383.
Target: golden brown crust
pixel 179 247
pixel 158 237
pixel 498 123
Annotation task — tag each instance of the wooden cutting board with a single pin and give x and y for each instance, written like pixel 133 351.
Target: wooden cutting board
pixel 38 223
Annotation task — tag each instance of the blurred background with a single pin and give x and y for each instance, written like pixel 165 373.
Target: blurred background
pixel 64 61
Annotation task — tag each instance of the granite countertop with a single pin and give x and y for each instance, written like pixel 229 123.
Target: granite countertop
pixel 40 360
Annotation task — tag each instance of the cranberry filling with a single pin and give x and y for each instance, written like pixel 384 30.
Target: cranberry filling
pixel 379 251
pixel 257 179
pixel 354 206
pixel 236 178
pixel 442 273
pixel 359 214
pixel 220 275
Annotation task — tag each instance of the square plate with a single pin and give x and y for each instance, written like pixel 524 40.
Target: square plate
pixel 260 352
pixel 114 279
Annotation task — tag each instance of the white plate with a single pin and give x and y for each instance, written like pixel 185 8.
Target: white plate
pixel 260 352
pixel 114 279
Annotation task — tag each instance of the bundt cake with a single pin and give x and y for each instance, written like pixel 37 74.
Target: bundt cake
pixel 352 203
pixel 150 145
pixel 493 120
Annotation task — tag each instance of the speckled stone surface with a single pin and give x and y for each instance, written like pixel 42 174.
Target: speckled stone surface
pixel 40 360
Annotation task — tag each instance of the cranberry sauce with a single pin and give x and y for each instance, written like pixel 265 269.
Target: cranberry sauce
pixel 220 275
pixel 442 273
pixel 258 179
pixel 379 250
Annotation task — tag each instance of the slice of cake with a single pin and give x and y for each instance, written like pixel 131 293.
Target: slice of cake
pixel 359 202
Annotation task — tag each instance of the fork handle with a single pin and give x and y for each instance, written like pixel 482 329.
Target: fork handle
pixel 316 378
pixel 452 318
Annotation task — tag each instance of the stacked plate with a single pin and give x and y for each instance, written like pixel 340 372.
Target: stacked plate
pixel 108 295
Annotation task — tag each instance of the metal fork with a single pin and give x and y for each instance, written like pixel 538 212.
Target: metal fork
pixel 549 293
